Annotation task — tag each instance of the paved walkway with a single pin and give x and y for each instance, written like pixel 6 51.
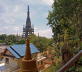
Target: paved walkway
pixel 9 67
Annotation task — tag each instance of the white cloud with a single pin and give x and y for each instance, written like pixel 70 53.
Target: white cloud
pixel 44 2
pixel 49 2
pixel 16 9
pixel 44 32
pixel 14 16
pixel 16 28
pixel 10 30
pixel 36 28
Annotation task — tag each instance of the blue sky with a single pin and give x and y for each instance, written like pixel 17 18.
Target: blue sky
pixel 13 15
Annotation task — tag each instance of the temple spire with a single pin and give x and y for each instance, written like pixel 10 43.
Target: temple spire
pixel 28 21
pixel 28 30
pixel 28 12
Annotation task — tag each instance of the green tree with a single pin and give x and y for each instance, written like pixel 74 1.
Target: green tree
pixel 3 36
pixel 65 21
pixel 41 42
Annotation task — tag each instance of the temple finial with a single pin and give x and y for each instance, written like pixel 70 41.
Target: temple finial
pixel 28 11
pixel 28 52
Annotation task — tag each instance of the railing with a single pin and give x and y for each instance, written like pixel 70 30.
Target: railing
pixel 70 62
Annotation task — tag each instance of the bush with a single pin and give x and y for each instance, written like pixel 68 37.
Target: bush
pixel 1 41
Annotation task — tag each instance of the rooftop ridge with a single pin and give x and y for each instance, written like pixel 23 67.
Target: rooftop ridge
pixel 15 51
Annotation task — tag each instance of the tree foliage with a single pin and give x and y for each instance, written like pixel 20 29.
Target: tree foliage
pixel 11 39
pixel 41 42
pixel 65 19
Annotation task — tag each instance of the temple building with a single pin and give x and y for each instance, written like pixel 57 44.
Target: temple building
pixel 28 29
pixel 10 57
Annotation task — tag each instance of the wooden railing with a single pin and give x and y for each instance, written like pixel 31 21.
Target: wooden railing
pixel 70 62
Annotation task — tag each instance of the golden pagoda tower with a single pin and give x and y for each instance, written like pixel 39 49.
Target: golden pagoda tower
pixel 28 64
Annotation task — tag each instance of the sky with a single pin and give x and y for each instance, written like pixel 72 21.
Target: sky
pixel 13 15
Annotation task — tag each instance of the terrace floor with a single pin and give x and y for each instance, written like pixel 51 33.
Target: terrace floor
pixel 11 67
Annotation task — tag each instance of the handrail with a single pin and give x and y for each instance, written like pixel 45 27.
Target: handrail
pixel 70 62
